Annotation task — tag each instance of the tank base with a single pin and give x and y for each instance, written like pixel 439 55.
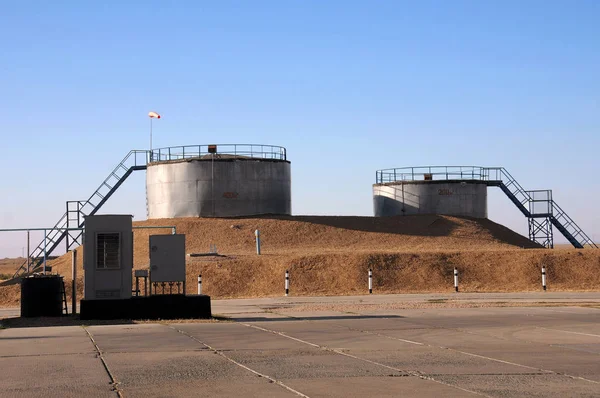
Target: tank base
pixel 168 306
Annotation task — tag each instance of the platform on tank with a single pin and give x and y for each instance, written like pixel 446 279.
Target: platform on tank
pixel 161 306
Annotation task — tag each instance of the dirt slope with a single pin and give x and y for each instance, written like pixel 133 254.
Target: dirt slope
pixel 331 255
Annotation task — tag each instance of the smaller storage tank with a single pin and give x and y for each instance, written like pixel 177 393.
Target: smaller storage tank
pixel 42 296
pixel 447 190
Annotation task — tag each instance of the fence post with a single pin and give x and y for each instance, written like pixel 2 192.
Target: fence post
pixel 544 277
pixel 74 282
pixel 199 284
pixel 455 280
pixel 287 282
pixel 257 235
pixel 370 281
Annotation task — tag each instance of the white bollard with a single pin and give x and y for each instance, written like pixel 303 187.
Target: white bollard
pixel 257 234
pixel 199 284
pixel 544 277
pixel 287 282
pixel 370 281
pixel 455 280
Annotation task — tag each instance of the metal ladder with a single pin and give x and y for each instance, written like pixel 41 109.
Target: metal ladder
pixel 74 217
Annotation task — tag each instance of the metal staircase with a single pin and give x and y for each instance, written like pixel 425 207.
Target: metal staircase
pixel 74 217
pixel 541 210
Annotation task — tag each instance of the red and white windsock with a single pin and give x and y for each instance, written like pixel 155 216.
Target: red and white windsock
pixel 153 115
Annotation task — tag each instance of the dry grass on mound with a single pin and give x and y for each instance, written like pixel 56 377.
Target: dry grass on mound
pixel 331 256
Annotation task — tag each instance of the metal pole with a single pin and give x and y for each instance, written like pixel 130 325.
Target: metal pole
pixel 150 139
pixel 28 253
pixel 370 281
pixel 257 235
pixel 455 280
pixel 74 282
pixel 212 182
pixel 199 284
pixel 45 250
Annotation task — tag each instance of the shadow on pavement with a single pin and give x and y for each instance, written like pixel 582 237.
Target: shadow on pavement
pixel 289 318
pixel 12 323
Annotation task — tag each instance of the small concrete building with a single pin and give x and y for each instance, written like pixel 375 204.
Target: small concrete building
pixel 108 257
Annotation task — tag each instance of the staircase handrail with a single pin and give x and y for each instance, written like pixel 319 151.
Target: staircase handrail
pixel 561 213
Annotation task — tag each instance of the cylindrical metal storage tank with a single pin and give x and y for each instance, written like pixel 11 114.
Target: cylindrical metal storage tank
pixel 218 181
pixel 447 192
pixel 42 296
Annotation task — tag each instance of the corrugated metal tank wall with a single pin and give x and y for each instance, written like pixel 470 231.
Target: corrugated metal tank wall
pixel 218 188
pixel 430 197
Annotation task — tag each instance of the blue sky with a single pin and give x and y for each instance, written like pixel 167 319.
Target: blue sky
pixel 348 87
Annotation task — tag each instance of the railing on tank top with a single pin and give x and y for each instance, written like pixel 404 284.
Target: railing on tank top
pixel 243 151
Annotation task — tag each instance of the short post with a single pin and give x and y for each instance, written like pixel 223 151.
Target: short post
pixel 74 282
pixel 257 234
pixel 287 282
pixel 455 280
pixel 544 278
pixel 370 281
pixel 45 249
pixel 199 284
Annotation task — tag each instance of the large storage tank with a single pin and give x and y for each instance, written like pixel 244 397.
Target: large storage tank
pixel 448 190
pixel 218 181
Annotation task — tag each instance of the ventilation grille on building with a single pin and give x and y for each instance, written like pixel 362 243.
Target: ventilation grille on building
pixel 108 249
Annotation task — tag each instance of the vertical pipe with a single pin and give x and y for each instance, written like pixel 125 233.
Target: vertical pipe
pixel 370 281
pixel 257 235
pixel 28 253
pixel 74 282
pixel 544 278
pixel 212 182
pixel 455 280
pixel 199 284
pixel 45 250
pixel 287 282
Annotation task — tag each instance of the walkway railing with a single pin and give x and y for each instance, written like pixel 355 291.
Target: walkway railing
pixel 432 173
pixel 252 151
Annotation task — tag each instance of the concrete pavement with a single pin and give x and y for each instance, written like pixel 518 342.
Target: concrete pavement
pixel 283 347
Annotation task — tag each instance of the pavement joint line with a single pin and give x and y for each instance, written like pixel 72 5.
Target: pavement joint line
pixel 502 361
pixel 468 353
pixel 567 331
pixel 357 330
pixel 220 353
pixel 566 347
pixel 62 354
pixel 325 348
pixel 113 380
